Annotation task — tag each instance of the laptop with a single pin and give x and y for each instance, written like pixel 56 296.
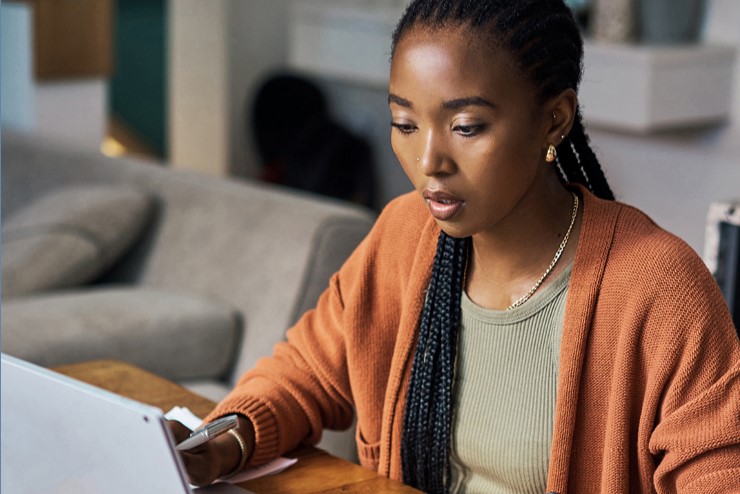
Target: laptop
pixel 62 436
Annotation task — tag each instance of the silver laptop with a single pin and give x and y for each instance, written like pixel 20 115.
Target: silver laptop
pixel 60 435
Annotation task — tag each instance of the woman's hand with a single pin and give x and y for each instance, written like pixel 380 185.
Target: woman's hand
pixel 216 458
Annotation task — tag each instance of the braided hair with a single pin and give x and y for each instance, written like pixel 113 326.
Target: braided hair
pixel 545 42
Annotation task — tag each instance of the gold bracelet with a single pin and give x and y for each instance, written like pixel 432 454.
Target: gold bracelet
pixel 242 450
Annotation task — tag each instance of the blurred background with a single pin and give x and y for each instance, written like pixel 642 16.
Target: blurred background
pixel 294 92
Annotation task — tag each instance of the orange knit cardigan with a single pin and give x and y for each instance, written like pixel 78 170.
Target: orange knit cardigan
pixel 649 384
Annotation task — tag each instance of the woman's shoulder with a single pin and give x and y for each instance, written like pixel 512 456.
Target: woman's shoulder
pixel 640 253
pixel 631 235
pixel 407 210
pixel 403 234
pixel 403 223
pixel 644 276
pixel 649 243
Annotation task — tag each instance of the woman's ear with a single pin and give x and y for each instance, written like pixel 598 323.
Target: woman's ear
pixel 561 111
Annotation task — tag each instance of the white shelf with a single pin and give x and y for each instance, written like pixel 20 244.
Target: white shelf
pixel 343 42
pixel 644 89
pixel 638 89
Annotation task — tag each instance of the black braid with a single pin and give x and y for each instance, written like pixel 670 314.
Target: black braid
pixel 428 418
pixel 581 165
pixel 546 44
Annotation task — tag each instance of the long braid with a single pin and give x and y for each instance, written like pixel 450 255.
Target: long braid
pixel 589 161
pixel 547 46
pixel 428 418
pixel 579 163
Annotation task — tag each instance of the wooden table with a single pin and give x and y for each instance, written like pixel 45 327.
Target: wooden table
pixel 315 472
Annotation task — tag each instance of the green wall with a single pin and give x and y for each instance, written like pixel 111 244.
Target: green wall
pixel 138 88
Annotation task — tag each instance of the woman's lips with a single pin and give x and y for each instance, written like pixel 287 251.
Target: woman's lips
pixel 443 206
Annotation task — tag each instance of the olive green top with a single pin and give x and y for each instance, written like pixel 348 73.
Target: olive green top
pixel 505 387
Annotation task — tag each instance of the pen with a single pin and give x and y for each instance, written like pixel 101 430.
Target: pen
pixel 208 432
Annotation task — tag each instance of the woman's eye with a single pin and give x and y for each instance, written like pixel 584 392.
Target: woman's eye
pixel 467 130
pixel 404 128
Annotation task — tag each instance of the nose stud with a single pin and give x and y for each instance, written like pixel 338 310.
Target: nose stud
pixel 417 158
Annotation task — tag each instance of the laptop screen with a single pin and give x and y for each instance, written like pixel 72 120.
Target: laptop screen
pixel 61 436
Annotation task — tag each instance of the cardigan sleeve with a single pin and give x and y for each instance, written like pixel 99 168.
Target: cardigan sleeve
pixel 697 437
pixel 291 396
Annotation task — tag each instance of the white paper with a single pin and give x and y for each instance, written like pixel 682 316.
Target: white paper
pixel 192 421
pixel 184 416
pixel 275 466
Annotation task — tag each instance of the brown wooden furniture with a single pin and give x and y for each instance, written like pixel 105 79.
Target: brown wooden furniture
pixel 315 472
pixel 72 38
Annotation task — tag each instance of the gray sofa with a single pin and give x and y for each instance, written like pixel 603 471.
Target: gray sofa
pixel 189 276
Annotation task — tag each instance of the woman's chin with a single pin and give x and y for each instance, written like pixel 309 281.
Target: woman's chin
pixel 452 230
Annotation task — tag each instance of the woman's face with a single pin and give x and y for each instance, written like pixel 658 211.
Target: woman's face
pixel 467 129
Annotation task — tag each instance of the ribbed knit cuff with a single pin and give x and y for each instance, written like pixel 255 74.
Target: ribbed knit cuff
pixel 266 440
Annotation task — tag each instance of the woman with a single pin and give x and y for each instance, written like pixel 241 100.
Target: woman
pixel 508 327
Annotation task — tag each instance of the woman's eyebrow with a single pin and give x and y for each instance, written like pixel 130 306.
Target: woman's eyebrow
pixel 392 98
pixel 452 104
pixel 457 103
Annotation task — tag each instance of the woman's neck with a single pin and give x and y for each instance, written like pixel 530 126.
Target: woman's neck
pixel 506 263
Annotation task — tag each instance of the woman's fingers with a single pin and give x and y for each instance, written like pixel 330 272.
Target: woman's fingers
pixel 202 465
pixel 179 431
pixel 201 462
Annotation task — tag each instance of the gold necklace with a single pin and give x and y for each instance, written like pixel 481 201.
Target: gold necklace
pixel 554 259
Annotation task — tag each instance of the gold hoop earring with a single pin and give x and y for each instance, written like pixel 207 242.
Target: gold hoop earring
pixel 551 154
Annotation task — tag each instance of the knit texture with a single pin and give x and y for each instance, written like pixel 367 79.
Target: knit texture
pixel 648 393
pixel 505 384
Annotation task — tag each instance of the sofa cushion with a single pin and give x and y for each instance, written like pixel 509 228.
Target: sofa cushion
pixel 70 236
pixel 174 335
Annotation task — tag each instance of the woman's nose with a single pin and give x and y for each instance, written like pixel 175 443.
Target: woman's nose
pixel 434 160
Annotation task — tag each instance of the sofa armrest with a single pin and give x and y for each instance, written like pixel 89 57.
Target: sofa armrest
pixel 174 335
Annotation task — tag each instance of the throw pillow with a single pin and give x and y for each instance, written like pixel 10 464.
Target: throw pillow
pixel 70 236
